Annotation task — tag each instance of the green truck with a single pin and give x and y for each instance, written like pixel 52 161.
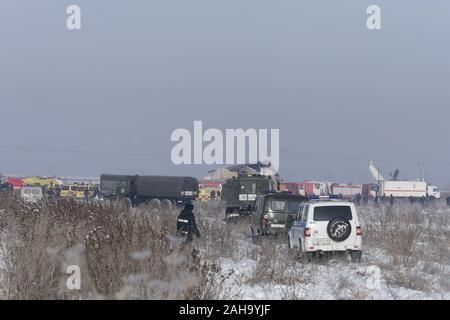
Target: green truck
pixel 239 194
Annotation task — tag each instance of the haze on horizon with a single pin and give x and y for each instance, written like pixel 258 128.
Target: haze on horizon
pixel 137 71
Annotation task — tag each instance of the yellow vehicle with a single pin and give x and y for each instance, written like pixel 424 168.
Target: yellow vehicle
pixel 203 194
pixel 77 190
pixel 208 189
pixel 41 181
pixel 65 191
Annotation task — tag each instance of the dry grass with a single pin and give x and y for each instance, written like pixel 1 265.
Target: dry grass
pixel 118 251
pixel 411 236
pixel 133 254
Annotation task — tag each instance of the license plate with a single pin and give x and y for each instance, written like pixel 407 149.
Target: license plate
pixel 322 242
pixel 277 225
pixel 233 215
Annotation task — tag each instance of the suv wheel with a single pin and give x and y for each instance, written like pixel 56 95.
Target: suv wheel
pixel 291 245
pixel 311 256
pixel 339 229
pixel 356 256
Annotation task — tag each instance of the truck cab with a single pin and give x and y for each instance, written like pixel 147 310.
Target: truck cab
pixel 433 192
pixel 239 194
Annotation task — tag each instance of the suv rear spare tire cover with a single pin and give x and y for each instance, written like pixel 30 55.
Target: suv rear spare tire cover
pixel 339 229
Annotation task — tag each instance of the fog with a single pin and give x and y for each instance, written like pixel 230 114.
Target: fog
pixel 111 94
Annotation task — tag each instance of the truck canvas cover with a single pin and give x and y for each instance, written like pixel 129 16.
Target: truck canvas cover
pixel 112 182
pixel 166 186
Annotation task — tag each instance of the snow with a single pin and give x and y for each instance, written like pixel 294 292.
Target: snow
pixel 338 278
pixel 268 270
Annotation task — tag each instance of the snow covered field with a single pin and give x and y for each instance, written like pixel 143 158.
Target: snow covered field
pixel 135 255
pixel 406 256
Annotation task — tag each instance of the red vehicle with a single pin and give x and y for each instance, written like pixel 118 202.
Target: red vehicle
pixel 314 188
pixel 292 187
pixel 347 191
pixel 307 188
pixel 369 190
pixel 17 183
pixel 211 184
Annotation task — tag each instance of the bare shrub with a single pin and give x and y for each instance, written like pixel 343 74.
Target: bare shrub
pixel 409 235
pixel 38 239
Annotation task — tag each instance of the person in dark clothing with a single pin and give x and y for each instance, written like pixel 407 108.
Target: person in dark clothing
pixel 422 201
pixel 86 194
pixel 358 199
pixel 411 200
pixel 365 199
pixel 391 200
pixel 448 201
pixel 50 193
pixel 57 191
pixel 186 224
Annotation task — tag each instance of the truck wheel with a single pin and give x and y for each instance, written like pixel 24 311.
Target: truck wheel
pixel 128 203
pixel 166 204
pixel 155 203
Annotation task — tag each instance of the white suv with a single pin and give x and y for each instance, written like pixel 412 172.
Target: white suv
pixel 326 226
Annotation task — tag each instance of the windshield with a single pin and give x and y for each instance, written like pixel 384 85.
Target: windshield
pixel 293 205
pixel 278 205
pixel 327 213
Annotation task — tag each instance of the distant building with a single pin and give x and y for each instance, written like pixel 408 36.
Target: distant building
pixel 264 169
pixel 220 174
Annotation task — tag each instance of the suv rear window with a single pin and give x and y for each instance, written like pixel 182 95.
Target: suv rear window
pixel 280 205
pixel 327 213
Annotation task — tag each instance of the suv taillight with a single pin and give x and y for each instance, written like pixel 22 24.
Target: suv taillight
pixel 307 232
pixel 358 231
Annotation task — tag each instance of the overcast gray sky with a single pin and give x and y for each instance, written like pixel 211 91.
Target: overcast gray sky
pixel 140 69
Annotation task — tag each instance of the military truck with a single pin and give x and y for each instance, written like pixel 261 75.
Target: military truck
pixel 239 194
pixel 142 189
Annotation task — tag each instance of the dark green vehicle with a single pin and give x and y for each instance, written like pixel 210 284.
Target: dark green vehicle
pixel 239 194
pixel 274 212
pixel 143 189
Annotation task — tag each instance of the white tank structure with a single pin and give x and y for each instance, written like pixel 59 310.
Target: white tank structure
pixel 374 172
